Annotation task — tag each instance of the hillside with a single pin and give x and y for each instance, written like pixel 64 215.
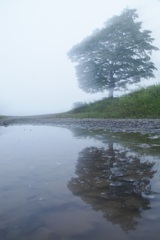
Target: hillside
pixel 144 103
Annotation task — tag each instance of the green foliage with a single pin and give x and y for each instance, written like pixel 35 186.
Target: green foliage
pixel 143 103
pixel 78 105
pixel 117 54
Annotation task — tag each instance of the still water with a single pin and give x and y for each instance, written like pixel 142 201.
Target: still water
pixel 65 184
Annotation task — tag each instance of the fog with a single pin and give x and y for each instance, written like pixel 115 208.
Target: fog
pixel 36 75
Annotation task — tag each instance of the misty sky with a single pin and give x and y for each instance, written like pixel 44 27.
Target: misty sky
pixel 36 75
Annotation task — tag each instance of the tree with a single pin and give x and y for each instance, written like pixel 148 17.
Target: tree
pixel 114 181
pixel 114 55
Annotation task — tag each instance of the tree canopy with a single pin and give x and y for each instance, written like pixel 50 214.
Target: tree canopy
pixel 114 55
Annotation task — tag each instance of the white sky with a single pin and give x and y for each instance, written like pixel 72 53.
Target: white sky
pixel 35 74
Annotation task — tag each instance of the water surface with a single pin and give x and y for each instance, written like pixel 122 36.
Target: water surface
pixel 58 183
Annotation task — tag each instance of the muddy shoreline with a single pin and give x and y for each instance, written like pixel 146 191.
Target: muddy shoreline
pixel 143 126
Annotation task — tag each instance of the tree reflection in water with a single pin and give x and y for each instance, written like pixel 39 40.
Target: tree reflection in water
pixel 114 181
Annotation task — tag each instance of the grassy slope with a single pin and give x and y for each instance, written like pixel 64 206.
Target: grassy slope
pixel 144 103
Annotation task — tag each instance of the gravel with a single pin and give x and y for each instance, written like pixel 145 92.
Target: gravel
pixel 143 126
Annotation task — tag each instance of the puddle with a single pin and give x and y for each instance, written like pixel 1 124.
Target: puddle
pixel 58 183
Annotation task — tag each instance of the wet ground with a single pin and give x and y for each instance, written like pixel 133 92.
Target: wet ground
pixel 75 183
pixel 115 125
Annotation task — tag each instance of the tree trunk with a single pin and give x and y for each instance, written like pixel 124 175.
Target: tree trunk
pixel 110 93
pixel 112 85
pixel 111 151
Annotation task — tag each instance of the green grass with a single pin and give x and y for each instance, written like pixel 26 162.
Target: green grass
pixel 144 103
